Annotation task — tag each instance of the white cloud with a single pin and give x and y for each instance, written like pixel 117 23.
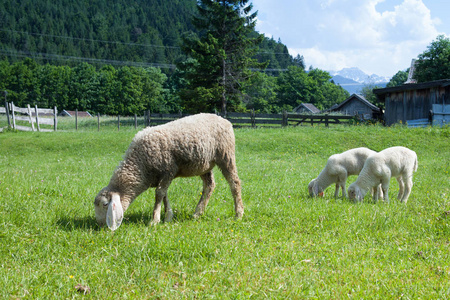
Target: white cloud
pixel 333 34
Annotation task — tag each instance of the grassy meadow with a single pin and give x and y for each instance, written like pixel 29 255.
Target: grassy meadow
pixel 287 245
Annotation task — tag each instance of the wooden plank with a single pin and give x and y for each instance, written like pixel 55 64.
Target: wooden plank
pixel 2 110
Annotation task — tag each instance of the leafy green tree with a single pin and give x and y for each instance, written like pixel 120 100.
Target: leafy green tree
pixel 367 92
pixel 398 79
pixel 222 55
pixel 295 86
pixel 434 63
pixel 261 94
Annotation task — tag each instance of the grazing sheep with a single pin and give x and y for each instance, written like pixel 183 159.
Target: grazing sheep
pixel 337 169
pixel 187 147
pixel 398 162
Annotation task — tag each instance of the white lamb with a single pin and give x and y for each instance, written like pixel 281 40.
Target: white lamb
pixel 398 162
pixel 187 147
pixel 337 170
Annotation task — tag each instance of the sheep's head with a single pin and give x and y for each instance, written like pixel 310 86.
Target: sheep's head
pixel 355 193
pixel 101 204
pixel 314 190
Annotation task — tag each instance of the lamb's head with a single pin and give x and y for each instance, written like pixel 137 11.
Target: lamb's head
pixel 314 189
pixel 101 202
pixel 355 193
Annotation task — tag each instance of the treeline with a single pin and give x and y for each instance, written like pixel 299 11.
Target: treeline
pixel 127 90
pixel 108 32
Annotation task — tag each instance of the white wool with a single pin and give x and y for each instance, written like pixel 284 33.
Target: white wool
pixel 187 147
pixel 337 170
pixel 398 162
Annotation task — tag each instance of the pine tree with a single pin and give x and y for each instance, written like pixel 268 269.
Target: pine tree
pixel 222 55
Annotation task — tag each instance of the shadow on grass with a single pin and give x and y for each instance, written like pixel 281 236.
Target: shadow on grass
pixel 89 223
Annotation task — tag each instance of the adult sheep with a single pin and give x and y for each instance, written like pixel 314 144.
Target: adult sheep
pixel 187 147
pixel 338 168
pixel 398 162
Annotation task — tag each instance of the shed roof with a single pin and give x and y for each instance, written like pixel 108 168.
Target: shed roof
pixel 309 107
pixel 413 86
pixel 357 98
pixel 71 113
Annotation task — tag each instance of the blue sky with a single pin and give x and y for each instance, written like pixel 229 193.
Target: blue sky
pixel 377 36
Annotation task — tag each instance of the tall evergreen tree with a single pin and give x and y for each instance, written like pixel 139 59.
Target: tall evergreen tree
pixel 222 55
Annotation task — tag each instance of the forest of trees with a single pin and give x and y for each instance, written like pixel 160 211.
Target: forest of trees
pixel 125 56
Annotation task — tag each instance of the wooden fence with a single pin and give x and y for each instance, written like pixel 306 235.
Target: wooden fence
pixel 255 119
pixel 38 116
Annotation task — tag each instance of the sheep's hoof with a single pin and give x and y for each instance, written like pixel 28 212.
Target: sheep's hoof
pixel 154 222
pixel 168 217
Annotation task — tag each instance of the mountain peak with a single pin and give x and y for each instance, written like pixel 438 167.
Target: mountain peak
pixel 357 75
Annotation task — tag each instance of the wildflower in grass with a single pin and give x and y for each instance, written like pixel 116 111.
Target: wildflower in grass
pixel 71 276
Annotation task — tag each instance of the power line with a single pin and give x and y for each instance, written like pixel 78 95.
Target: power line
pixel 112 42
pixel 92 60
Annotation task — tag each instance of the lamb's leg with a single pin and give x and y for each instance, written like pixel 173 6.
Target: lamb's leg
pixel 401 188
pixel 160 196
pixel 385 189
pixel 407 190
pixel 336 191
pixel 208 188
pixel 375 194
pixel 229 171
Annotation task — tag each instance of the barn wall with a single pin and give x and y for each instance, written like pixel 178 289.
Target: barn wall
pixel 413 104
pixel 356 108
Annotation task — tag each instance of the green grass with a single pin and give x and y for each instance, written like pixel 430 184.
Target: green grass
pixel 287 246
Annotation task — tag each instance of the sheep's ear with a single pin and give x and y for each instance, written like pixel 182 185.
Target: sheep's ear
pixel 114 216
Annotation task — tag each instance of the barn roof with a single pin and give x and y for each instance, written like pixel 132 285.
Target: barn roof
pixel 71 113
pixel 357 98
pixel 412 86
pixel 309 107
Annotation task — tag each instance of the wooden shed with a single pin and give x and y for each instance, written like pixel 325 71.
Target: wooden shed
pixel 72 113
pixel 357 105
pixel 307 108
pixel 413 101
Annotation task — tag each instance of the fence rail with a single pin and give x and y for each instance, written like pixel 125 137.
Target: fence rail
pixel 251 119
pixel 38 116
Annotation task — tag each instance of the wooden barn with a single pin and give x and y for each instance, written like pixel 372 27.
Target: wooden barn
pixel 306 108
pixel 410 102
pixel 357 105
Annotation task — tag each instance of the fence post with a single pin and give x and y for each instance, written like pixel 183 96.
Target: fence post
pixel 13 115
pixel 98 121
pixel 7 111
pixel 55 120
pixel 118 122
pixel 76 119
pixel 149 117
pixel 135 121
pixel 253 118
pixel 284 120
pixel 37 117
pixel 30 115
pixel 326 120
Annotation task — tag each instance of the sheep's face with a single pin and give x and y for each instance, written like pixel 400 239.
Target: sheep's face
pixel 314 190
pixel 354 193
pixel 101 206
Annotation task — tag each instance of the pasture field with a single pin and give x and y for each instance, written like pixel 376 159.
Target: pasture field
pixel 287 245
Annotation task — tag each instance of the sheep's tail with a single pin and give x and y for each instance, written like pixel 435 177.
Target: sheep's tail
pixel 416 164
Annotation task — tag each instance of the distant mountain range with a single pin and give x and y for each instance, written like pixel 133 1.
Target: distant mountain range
pixel 353 79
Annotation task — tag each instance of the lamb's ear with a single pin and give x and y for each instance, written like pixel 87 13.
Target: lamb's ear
pixel 114 216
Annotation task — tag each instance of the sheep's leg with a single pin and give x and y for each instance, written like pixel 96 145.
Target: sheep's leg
pixel 401 188
pixel 336 191
pixel 160 196
pixel 208 188
pixel 385 189
pixel 229 171
pixel 375 194
pixel 168 213
pixel 407 191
